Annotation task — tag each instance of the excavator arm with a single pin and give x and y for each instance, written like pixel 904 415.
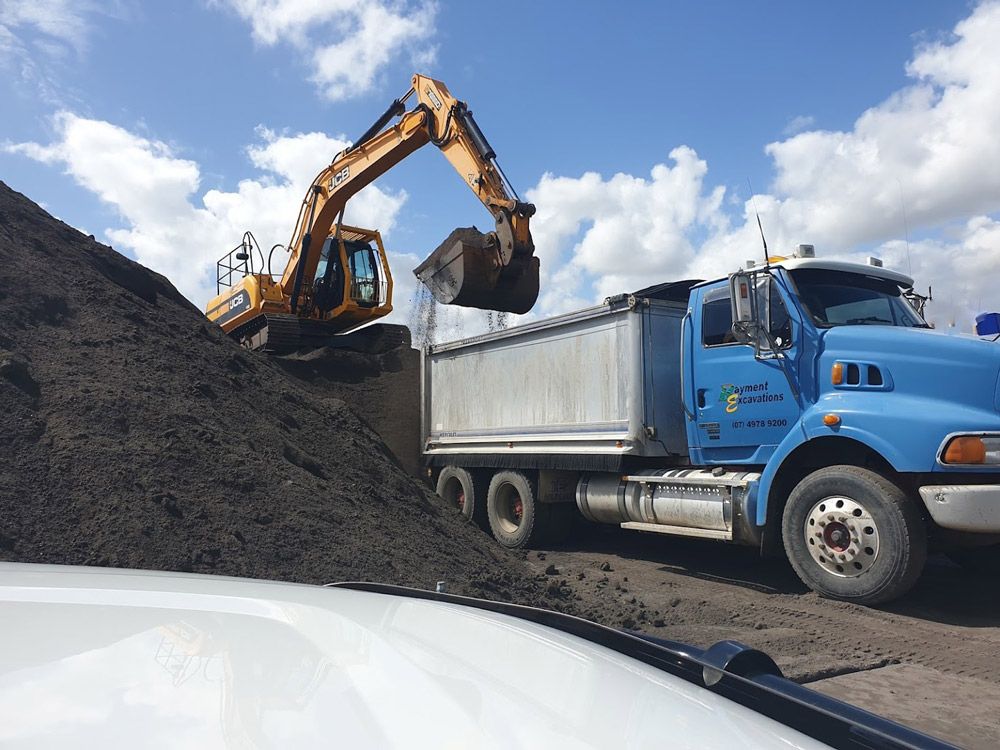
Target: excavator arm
pixel 498 273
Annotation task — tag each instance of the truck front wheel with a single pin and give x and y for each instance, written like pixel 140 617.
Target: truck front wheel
pixel 851 534
pixel 516 517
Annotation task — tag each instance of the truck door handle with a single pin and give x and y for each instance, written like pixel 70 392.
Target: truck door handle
pixel 701 398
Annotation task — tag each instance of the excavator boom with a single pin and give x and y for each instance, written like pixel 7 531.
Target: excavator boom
pixel 500 272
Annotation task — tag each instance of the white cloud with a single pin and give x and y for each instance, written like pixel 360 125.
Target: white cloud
pixel 799 123
pixel 52 27
pixel 348 43
pixel 636 228
pixel 166 226
pixel 930 151
pixel 38 37
pixel 933 144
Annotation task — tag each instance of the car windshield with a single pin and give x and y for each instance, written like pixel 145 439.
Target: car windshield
pixel 837 298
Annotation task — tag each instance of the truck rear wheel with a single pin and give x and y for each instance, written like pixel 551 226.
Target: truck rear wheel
pixel 516 518
pixel 465 490
pixel 851 534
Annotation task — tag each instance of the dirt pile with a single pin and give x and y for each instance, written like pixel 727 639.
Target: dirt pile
pixel 383 389
pixel 134 433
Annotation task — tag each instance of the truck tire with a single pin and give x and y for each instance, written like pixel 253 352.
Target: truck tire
pixel 516 518
pixel 466 490
pixel 853 535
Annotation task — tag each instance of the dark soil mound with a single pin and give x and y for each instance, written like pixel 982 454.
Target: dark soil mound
pixel 134 433
pixel 383 389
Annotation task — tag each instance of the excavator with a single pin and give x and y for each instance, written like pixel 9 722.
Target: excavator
pixel 337 277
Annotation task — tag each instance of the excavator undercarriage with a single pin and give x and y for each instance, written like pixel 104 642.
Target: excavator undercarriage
pixel 282 333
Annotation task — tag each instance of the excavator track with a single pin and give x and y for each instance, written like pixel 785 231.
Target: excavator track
pixel 284 334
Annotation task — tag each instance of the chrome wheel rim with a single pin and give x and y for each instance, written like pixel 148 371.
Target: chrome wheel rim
pixel 841 536
pixel 454 493
pixel 510 508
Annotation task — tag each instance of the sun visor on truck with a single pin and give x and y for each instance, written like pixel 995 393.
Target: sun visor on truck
pixel 673 291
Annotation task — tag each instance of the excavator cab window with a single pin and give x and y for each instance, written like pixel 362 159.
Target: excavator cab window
pixel 328 284
pixel 364 274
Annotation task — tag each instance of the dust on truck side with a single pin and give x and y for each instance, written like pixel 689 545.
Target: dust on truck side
pixel 803 405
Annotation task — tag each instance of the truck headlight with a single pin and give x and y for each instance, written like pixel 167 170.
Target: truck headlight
pixel 972 449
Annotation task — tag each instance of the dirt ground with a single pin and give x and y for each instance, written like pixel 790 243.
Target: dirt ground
pixel 930 660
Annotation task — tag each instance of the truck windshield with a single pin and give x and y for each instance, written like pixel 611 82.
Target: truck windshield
pixel 838 298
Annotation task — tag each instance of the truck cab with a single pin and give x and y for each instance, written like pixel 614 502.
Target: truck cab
pixel 801 405
pixel 871 429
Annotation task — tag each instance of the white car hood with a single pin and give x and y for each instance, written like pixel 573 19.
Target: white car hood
pixel 113 658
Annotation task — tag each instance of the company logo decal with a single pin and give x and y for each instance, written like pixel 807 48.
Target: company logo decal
pixel 751 393
pixel 731 396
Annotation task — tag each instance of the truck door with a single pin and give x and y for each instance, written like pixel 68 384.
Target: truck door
pixel 739 407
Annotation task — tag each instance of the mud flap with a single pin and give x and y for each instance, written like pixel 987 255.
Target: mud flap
pixel 469 274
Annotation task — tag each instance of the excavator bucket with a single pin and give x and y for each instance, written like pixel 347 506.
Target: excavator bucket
pixel 465 270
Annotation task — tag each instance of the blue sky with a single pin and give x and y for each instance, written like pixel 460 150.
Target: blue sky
pixel 117 114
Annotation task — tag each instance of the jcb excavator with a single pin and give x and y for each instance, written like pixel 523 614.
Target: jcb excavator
pixel 337 277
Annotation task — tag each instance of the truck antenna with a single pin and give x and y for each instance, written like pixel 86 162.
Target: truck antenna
pixel 906 228
pixel 753 198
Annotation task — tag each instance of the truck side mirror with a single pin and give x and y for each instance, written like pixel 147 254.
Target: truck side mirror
pixel 742 296
pixel 746 322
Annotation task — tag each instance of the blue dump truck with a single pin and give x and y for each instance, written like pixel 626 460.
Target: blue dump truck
pixel 800 405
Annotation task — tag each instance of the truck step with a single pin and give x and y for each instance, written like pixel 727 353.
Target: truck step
pixel 696 478
pixel 660 528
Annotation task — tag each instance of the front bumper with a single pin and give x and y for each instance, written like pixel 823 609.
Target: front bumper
pixel 964 507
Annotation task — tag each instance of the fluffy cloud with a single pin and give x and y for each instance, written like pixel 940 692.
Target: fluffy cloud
pixel 348 42
pixel 932 145
pixel 37 36
pixel 34 31
pixel 166 226
pixel 635 228
pixel 925 157
pixel 63 22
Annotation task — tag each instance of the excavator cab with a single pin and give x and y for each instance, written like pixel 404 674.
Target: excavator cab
pixel 351 284
pixel 365 281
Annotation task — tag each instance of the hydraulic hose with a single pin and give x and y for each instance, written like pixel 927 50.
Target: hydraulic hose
pixel 304 252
